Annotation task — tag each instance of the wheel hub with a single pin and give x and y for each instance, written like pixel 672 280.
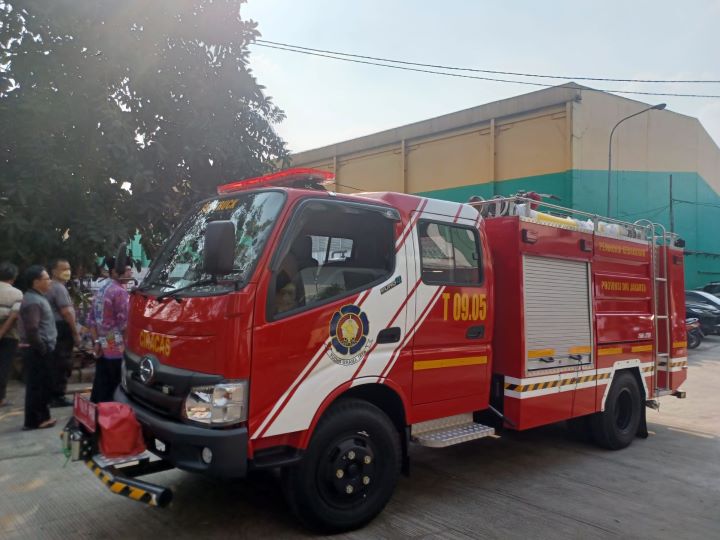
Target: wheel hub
pixel 353 468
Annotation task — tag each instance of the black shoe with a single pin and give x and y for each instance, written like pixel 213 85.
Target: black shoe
pixel 61 402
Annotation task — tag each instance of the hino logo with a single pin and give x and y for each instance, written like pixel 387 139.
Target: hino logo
pixel 146 373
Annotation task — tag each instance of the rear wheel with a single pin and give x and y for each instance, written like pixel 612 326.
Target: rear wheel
pixel 693 340
pixel 617 425
pixel 349 471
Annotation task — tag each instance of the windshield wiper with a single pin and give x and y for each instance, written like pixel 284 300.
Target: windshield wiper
pixel 154 283
pixel 197 283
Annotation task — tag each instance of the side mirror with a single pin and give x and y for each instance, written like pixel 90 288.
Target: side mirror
pixel 219 249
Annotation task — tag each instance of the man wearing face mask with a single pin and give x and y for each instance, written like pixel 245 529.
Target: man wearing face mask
pixel 67 334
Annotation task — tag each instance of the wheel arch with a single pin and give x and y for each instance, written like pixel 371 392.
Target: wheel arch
pixel 634 368
pixel 386 396
pixel 635 372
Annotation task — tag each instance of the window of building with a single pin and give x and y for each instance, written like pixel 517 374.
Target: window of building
pixel 450 254
pixel 331 250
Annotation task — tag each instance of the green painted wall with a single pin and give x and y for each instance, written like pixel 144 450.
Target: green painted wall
pixel 634 195
pixel 136 250
pixel 558 184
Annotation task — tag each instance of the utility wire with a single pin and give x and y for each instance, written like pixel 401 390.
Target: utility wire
pixel 477 77
pixel 349 187
pixel 711 205
pixel 519 74
pixel 401 67
pixel 536 75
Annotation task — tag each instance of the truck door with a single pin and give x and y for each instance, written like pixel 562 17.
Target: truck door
pixel 451 348
pixel 331 311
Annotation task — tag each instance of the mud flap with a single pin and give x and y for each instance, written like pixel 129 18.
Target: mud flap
pixel 642 431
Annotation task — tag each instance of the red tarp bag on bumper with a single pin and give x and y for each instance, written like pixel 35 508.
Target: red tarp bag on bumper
pixel 120 432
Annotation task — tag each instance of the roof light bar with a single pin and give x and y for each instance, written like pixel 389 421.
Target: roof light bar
pixel 298 177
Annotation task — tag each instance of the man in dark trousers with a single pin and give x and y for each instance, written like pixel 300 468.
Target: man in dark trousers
pixel 107 321
pixel 40 333
pixel 68 337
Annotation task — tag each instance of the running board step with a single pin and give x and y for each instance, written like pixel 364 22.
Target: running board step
pixel 448 431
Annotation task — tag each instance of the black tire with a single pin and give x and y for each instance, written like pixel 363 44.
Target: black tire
pixel 693 340
pixel 617 425
pixel 357 438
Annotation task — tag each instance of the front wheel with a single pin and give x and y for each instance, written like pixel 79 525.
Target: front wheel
pixel 349 470
pixel 617 425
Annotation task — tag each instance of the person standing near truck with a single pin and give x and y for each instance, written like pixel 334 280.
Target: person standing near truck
pixel 40 333
pixel 67 333
pixel 107 321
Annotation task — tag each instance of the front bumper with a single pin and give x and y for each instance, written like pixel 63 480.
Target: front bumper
pixel 182 444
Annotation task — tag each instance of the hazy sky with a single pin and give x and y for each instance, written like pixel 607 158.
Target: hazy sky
pixel 327 101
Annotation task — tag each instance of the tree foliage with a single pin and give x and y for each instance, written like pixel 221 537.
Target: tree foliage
pixel 116 116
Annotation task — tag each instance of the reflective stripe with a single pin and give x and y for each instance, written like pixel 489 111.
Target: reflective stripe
pixel 609 350
pixel 449 362
pixel 531 387
pixel 541 353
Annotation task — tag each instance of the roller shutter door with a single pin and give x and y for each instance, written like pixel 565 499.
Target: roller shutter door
pixel 557 313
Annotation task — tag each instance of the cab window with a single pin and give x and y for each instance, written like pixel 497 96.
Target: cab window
pixel 449 254
pixel 331 250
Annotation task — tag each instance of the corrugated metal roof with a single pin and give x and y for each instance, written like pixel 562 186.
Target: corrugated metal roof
pixel 504 108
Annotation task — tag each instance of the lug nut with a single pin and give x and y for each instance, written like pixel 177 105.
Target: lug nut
pixel 367 460
pixel 351 455
pixel 366 480
pixel 349 489
pixel 339 473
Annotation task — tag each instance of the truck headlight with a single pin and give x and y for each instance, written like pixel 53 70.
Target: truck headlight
pixel 221 404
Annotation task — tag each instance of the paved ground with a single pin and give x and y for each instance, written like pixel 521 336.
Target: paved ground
pixel 539 484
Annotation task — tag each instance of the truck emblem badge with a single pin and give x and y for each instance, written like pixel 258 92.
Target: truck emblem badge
pixel 394 283
pixel 349 329
pixel 147 370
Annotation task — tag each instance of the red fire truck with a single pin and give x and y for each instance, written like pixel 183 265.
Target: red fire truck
pixel 286 326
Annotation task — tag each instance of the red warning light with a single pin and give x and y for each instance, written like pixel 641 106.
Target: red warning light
pixel 298 177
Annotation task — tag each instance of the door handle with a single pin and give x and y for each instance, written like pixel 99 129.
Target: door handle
pixel 389 335
pixel 475 332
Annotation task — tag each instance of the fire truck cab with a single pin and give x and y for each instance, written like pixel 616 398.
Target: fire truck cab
pixel 321 333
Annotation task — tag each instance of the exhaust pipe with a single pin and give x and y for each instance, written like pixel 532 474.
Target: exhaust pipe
pixel 132 488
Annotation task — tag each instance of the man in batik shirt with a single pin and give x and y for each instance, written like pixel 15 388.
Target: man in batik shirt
pixel 107 321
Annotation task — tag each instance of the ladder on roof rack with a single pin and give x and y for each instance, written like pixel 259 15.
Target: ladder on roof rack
pixel 659 240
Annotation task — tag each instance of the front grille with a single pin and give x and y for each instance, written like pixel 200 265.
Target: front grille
pixel 154 398
pixel 169 387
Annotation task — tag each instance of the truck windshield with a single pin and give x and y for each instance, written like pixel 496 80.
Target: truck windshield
pixel 180 261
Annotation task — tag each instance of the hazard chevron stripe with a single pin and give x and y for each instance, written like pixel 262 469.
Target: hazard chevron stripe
pixel 556 383
pixel 121 488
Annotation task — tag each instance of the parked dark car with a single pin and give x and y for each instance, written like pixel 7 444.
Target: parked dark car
pixel 713 287
pixel 709 316
pixel 702 297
